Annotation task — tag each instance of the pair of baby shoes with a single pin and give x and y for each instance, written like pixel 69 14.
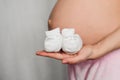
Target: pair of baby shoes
pixel 68 41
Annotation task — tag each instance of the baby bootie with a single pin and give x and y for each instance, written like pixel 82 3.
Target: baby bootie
pixel 72 42
pixel 53 40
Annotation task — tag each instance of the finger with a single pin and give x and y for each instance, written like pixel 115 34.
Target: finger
pixel 73 60
pixel 82 56
pixel 49 54
pixel 69 61
pixel 55 55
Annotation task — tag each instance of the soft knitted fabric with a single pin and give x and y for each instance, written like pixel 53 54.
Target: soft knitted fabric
pixel 71 42
pixel 53 40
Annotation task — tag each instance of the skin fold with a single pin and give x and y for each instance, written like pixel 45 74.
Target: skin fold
pixel 96 21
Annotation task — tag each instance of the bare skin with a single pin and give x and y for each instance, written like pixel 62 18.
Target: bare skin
pixel 92 19
pixel 96 21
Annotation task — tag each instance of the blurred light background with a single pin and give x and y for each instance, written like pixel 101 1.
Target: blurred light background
pixel 22 26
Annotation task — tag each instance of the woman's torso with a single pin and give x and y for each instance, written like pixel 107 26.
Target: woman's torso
pixel 92 19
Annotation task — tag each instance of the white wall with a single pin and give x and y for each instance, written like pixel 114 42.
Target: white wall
pixel 22 26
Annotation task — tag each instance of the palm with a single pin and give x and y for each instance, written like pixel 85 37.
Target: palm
pixel 58 55
pixel 82 55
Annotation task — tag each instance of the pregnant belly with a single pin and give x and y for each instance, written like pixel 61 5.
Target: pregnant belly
pixel 92 19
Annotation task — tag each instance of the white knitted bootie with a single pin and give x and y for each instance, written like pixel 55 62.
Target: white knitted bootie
pixel 53 40
pixel 71 42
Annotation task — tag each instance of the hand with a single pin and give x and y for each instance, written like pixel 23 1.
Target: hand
pixel 86 53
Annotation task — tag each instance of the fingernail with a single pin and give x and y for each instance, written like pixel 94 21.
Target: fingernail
pixel 64 61
pixel 37 53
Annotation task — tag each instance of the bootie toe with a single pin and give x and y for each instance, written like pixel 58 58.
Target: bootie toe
pixel 72 42
pixel 53 40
